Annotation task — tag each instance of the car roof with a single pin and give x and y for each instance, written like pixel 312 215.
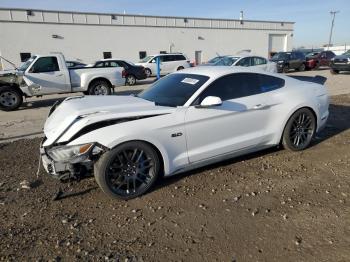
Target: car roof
pixel 217 71
pixel 167 54
pixel 109 59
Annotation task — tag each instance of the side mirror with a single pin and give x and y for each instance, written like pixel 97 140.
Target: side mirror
pixel 210 101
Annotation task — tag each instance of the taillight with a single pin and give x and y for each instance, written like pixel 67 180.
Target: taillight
pixel 123 73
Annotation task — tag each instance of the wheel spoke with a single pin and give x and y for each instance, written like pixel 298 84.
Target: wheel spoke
pixel 133 155
pixel 139 157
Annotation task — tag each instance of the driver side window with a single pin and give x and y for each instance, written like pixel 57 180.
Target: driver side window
pixel 45 64
pixel 232 87
pixel 244 62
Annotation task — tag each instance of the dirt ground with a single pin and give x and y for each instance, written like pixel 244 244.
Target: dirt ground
pixel 275 205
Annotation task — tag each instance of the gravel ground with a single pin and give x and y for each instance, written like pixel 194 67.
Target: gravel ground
pixel 275 205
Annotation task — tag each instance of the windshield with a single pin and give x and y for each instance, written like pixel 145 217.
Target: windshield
pixel 281 56
pixel 226 61
pixel 174 90
pixel 26 64
pixel 146 59
pixel 347 53
pixel 215 60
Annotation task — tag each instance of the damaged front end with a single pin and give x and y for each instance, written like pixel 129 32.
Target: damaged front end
pixel 66 162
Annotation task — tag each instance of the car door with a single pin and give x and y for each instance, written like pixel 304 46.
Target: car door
pixel 168 64
pixel 235 125
pixel 259 62
pixel 330 55
pixel 47 77
pixel 323 59
pixel 245 61
pixel 293 62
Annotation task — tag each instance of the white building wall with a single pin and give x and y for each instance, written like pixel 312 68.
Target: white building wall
pixel 86 36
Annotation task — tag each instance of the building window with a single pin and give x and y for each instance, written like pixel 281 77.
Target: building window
pixel 25 56
pixel 107 55
pixel 142 54
pixel 162 52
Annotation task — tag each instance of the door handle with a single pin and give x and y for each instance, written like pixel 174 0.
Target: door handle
pixel 259 106
pixel 59 75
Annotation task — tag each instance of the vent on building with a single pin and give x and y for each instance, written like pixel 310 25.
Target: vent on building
pixel 25 56
pixel 142 54
pixel 30 12
pixel 185 20
pixel 57 36
pixel 107 55
pixel 114 17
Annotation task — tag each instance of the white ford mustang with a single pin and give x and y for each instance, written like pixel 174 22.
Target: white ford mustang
pixel 187 119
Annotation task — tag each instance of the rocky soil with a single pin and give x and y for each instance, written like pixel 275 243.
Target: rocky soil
pixel 275 205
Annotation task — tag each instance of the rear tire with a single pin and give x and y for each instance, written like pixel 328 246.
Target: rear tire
pixel 10 98
pixel 299 130
pixel 128 170
pixel 130 80
pixel 100 87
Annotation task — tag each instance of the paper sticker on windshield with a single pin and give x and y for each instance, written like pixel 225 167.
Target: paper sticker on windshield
pixel 190 81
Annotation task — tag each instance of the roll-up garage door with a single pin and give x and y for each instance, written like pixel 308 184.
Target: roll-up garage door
pixel 277 43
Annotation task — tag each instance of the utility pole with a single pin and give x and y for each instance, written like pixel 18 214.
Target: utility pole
pixel 333 13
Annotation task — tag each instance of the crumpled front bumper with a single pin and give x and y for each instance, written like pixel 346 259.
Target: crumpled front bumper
pixel 55 169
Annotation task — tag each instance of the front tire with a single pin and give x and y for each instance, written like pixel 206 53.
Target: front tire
pixel 302 67
pixel 180 68
pixel 334 71
pixel 100 88
pixel 299 130
pixel 285 69
pixel 10 98
pixel 127 171
pixel 148 72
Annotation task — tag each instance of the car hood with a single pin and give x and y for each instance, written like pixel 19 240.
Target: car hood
pixel 8 72
pixel 80 111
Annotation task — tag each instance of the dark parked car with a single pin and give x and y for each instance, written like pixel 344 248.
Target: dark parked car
pixel 74 64
pixel 321 59
pixel 340 63
pixel 132 72
pixel 289 60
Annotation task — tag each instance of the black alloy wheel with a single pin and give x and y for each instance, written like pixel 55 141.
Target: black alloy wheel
pixel 127 171
pixel 299 130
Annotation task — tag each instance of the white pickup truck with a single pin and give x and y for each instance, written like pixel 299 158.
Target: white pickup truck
pixel 48 74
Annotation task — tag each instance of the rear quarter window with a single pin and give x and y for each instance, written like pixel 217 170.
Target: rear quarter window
pixel 270 83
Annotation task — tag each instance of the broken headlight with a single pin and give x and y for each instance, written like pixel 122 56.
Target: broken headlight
pixel 71 154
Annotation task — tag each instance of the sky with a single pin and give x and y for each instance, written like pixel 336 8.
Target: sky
pixel 312 18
